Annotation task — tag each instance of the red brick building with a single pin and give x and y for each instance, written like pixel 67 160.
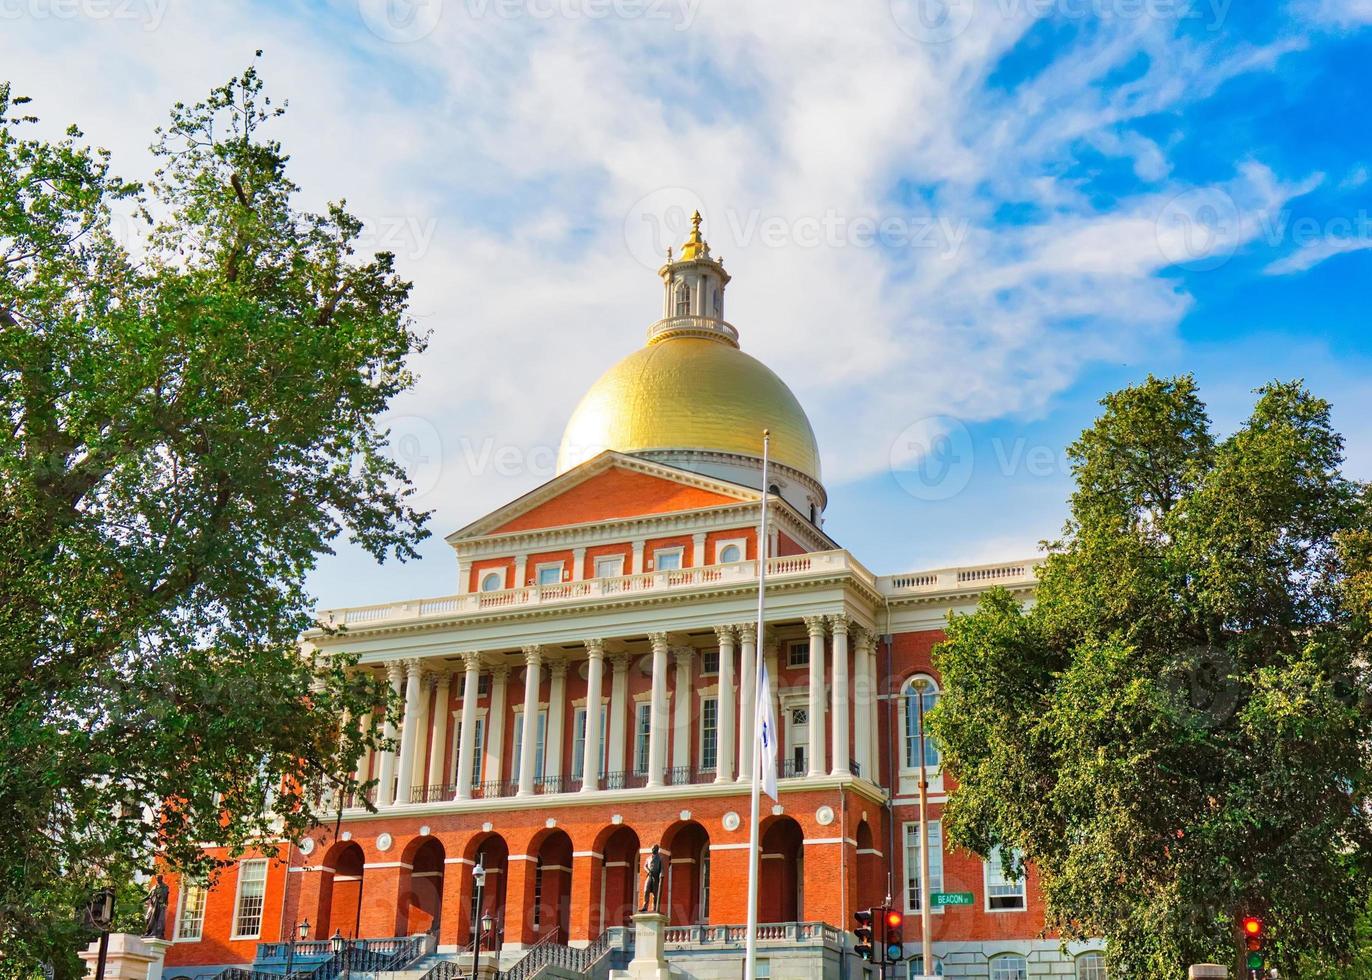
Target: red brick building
pixel 587 692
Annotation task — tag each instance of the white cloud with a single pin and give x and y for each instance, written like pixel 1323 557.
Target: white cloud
pixel 1309 256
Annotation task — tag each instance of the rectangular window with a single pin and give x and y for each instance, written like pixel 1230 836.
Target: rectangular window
pixel 541 726
pixel 579 743
pixel 252 895
pixel 478 750
pixel 709 662
pixel 912 862
pixel 667 560
pixel 550 574
pixel 709 733
pixel 642 729
pixel 190 924
pixel 1004 893
pixel 538 895
pixel 798 654
pixel 609 566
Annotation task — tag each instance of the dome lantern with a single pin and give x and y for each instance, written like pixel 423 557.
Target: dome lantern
pixel 693 293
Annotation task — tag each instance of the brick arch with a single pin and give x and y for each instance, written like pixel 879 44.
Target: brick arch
pixel 421 885
pixel 780 879
pixel 871 870
pixel 339 908
pixel 683 893
pixel 492 850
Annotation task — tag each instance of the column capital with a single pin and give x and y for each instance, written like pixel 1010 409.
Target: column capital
pixel 619 661
pixel 595 648
pixel 726 633
pixel 659 641
pixel 413 665
pixel 840 623
pixel 395 670
pixel 533 655
pixel 683 655
pixel 557 667
pixel 434 679
pixel 500 672
pixel 816 625
pixel 747 632
pixel 471 660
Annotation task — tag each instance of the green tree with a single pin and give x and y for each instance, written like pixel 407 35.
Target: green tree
pixel 190 421
pixel 1176 732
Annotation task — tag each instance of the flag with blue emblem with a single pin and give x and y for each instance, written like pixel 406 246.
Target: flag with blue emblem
pixel 767 734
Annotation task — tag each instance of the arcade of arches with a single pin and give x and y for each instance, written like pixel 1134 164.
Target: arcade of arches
pixel 551 887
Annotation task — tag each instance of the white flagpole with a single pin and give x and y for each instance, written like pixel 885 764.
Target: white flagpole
pixel 750 956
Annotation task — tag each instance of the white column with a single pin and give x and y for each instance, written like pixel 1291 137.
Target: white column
pixel 521 571
pixel 464 575
pixel 657 728
pixel 438 727
pixel 747 699
pixel 681 709
pixel 466 738
pixel 838 625
pixel 364 760
pixel 697 550
pixel 815 625
pixel 870 641
pixel 494 769
pixel 578 564
pixel 619 712
pixel 770 648
pixel 409 731
pixel 637 564
pixel 862 706
pixel 590 760
pixel 528 749
pixel 385 790
pixel 724 712
pixel 557 720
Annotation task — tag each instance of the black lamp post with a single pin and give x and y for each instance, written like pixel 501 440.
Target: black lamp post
pixel 479 882
pixel 304 931
pixel 338 945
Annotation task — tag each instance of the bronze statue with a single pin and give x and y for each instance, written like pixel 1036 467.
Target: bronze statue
pixel 652 886
pixel 155 924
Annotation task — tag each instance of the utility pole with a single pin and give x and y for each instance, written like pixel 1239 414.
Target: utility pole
pixel 926 940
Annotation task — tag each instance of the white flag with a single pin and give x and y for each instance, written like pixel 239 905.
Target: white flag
pixel 766 732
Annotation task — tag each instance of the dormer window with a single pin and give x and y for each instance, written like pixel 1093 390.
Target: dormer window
pixel 683 299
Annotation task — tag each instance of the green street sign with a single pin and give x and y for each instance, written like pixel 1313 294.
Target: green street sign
pixel 943 899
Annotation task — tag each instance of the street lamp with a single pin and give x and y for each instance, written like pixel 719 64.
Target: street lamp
pixel 304 931
pixel 479 884
pixel 926 939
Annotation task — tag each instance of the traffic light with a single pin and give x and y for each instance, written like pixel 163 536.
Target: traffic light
pixel 1252 938
pixel 865 946
pixel 895 945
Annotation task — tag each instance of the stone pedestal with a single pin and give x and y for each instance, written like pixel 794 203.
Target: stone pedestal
pixel 1204 971
pixel 649 962
pixel 129 958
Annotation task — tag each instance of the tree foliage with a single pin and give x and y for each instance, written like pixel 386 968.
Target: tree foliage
pixel 1176 732
pixel 189 421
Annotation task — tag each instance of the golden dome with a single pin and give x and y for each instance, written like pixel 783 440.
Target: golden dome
pixel 690 393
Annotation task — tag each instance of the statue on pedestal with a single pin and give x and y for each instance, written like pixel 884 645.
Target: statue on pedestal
pixel 155 923
pixel 652 869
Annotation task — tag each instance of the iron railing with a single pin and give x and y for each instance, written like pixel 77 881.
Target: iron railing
pixel 539 955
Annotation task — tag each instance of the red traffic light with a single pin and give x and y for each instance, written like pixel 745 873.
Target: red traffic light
pixel 1252 926
pixel 894 919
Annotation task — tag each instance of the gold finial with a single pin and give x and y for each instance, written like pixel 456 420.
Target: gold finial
pixel 695 246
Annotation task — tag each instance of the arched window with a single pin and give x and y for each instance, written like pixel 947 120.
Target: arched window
pixel 730 553
pixel 683 299
pixel 917 967
pixel 714 300
pixel 1009 967
pixel 931 753
pixel 1091 966
pixel 492 581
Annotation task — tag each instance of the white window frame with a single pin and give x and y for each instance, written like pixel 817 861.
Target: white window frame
pixel 740 543
pixel 616 561
pixel 910 728
pixel 919 957
pixel 1024 962
pixel 936 868
pixel 1094 956
pixel 709 699
pixel 706 670
pixel 579 754
pixel 798 653
pixel 558 568
pixel 993 860
pixel 238 899
pixel 645 746
pixel 498 574
pixel 540 742
pixel 679 553
pixel 478 746
pixel 186 888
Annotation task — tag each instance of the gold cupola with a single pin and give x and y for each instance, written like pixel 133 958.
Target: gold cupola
pixel 692 399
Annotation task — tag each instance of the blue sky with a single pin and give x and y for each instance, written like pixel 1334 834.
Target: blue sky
pixel 1066 195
